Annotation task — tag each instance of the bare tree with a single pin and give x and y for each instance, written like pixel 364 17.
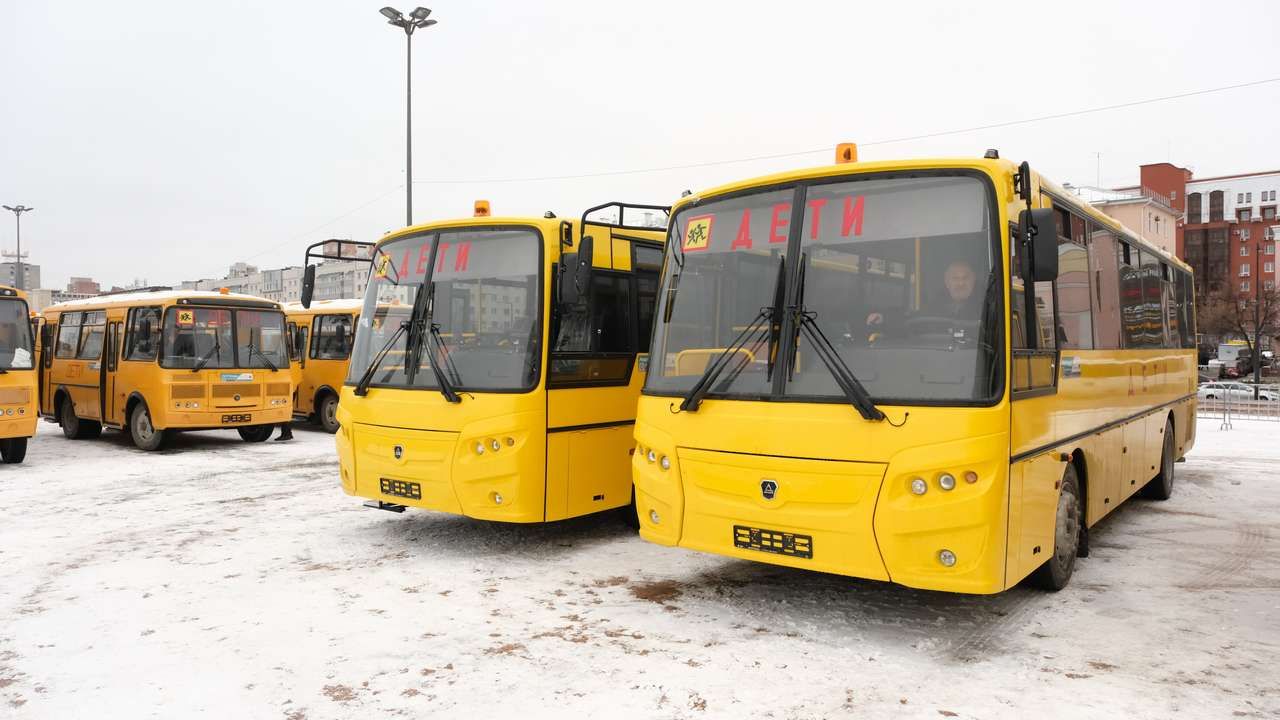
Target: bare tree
pixel 1248 317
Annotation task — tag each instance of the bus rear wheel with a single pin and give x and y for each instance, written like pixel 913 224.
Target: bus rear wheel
pixel 1160 487
pixel 144 433
pixel 76 428
pixel 13 450
pixel 1055 573
pixel 327 412
pixel 255 433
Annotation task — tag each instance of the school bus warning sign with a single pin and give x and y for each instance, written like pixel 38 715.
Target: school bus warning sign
pixel 697 234
pixel 186 318
pixel 384 260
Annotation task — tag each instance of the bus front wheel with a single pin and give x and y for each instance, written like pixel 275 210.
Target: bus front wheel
pixel 144 433
pixel 74 427
pixel 13 450
pixel 1160 487
pixel 328 412
pixel 255 433
pixel 1054 574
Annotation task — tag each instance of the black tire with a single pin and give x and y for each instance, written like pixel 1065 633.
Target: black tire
pixel 327 412
pixel 144 433
pixel 1160 487
pixel 76 428
pixel 255 433
pixel 1055 573
pixel 13 450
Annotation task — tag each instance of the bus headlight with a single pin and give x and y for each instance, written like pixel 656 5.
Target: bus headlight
pixel 666 463
pixel 947 481
pixel 919 486
pixel 947 558
pixel 479 448
pixel 651 456
pixel 495 445
pixel 653 517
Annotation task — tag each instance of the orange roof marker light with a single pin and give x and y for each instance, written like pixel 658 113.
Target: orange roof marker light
pixel 846 153
pixel 482 208
pixel 225 291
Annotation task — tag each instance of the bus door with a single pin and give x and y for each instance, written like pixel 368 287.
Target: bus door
pixel 108 405
pixel 593 387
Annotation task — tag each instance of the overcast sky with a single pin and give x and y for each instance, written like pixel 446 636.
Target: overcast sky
pixel 167 140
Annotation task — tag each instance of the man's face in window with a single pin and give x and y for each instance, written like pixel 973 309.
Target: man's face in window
pixel 959 280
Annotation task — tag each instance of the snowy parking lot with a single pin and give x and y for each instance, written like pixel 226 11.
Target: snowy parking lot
pixel 223 579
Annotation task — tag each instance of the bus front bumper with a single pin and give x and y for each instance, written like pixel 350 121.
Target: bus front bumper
pixel 18 426
pixel 175 419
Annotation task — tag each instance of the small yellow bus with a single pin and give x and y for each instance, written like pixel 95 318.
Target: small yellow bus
pixel 938 373
pixel 497 363
pixel 322 336
pixel 17 376
pixel 159 361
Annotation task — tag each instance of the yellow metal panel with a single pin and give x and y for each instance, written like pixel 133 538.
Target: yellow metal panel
pixel 599 470
pixel 1037 498
pixel 557 476
pixel 621 254
pixel 1134 454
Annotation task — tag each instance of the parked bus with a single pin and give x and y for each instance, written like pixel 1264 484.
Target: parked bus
pixel 497 363
pixel 322 336
pixel 938 373
pixel 17 376
pixel 158 361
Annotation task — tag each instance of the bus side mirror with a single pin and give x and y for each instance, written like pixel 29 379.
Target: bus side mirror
pixel 576 277
pixel 308 285
pixel 1040 229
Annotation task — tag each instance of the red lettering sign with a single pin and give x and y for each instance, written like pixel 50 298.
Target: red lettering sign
pixel 441 252
pixel 424 253
pixel 743 238
pixel 852 216
pixel 464 254
pixel 777 221
pixel 815 210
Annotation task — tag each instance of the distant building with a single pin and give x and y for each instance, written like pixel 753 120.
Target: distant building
pixel 30 275
pixel 83 286
pixel 335 279
pixel 1147 213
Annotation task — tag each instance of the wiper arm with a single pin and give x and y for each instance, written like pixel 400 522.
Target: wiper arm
pixel 362 387
pixel 204 359
pixel 844 377
pixel 254 349
pixel 699 390
pixel 438 350
pixel 454 375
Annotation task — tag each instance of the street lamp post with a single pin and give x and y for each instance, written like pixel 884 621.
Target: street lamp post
pixel 1257 320
pixel 17 211
pixel 416 19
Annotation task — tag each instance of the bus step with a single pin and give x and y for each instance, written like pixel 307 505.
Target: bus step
pixel 379 505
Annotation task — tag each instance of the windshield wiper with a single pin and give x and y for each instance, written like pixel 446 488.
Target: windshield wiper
pixel 362 387
pixel 454 376
pixel 204 359
pixel 423 331
pixel 807 323
pixel 446 387
pixel 765 319
pixel 254 349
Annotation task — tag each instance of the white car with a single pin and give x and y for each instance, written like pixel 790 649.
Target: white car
pixel 1234 390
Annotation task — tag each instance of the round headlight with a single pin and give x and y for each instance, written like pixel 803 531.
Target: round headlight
pixel 653 517
pixel 919 486
pixel 651 456
pixel 666 463
pixel 495 445
pixel 947 558
pixel 497 498
pixel 947 481
pixel 479 448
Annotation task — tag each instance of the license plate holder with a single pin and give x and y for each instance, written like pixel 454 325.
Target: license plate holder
pixel 773 541
pixel 237 418
pixel 400 488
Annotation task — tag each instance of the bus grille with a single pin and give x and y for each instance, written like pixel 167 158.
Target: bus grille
pixel 14 395
pixel 186 392
pixel 230 391
pixel 277 388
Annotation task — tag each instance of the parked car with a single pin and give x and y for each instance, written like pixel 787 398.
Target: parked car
pixel 1233 390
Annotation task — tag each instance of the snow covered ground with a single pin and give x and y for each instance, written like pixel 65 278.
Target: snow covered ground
pixel 220 579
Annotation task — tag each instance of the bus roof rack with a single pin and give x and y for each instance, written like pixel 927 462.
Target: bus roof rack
pixel 623 210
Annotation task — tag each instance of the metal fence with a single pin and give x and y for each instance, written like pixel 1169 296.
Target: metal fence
pixel 1228 405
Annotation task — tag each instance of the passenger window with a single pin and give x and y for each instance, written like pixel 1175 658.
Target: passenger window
pixel 1105 275
pixel 1075 311
pixel 293 340
pixel 1035 342
pixel 143 340
pixel 1132 311
pixel 332 337
pixel 647 264
pixel 595 344
pixel 91 335
pixel 68 334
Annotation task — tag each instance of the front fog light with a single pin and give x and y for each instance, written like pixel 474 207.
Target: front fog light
pixel 947 481
pixel 479 448
pixel 22 411
pixel 919 486
pixel 653 517
pixel 651 456
pixel 971 477
pixel 511 441
pixel 495 445
pixel 497 498
pixel 666 463
pixel 947 558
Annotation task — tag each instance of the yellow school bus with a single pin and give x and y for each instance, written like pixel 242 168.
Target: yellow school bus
pixel 159 361
pixel 848 373
pixel 322 336
pixel 497 363
pixel 17 376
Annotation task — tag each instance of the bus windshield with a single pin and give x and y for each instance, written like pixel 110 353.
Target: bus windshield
pixel 480 324
pixel 895 279
pixel 207 337
pixel 15 335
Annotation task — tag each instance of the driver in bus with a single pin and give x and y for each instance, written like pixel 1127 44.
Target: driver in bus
pixel 958 302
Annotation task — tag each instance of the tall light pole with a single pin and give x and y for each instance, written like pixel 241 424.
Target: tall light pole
pixel 417 19
pixel 17 211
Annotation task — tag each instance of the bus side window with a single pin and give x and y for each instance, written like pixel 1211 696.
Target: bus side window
pixel 1035 369
pixel 1132 307
pixel 332 336
pixel 1075 311
pixel 142 340
pixel 292 344
pixel 1106 288
pixel 92 334
pixel 648 265
pixel 68 334
pixel 596 338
